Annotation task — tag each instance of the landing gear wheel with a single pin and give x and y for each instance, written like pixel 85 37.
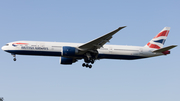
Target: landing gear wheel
pixel 14 59
pixel 83 64
pixel 87 65
pixel 92 61
pixel 90 66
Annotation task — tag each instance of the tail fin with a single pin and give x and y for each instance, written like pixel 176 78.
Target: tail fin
pixel 158 41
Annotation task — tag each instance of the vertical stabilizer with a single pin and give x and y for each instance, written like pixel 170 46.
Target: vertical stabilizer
pixel 158 41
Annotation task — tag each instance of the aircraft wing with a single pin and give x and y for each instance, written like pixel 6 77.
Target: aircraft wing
pixel 99 42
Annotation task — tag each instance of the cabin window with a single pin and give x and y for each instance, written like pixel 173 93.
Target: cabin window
pixel 124 50
pixel 56 46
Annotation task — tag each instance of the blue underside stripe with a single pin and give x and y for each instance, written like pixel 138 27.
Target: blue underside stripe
pixel 112 56
pixel 41 53
pixel 49 53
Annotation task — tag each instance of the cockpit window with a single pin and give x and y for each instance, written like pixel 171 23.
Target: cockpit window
pixel 7 44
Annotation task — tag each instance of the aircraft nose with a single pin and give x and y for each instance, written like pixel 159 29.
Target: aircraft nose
pixel 3 48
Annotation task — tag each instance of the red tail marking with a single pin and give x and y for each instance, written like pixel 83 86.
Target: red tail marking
pixel 163 33
pixel 153 46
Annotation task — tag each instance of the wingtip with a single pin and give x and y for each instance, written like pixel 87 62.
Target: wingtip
pixel 175 45
pixel 123 27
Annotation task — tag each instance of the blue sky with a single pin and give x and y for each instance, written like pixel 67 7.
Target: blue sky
pixel 43 78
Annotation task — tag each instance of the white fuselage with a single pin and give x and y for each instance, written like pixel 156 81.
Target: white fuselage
pixel 55 49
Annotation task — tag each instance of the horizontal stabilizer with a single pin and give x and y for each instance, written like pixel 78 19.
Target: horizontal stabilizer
pixel 165 49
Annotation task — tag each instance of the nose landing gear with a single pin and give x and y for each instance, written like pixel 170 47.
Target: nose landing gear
pixel 14 55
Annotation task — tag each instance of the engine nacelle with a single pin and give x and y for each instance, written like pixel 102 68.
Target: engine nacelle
pixel 67 61
pixel 69 51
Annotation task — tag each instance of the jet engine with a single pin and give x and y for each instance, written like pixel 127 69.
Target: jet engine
pixel 69 51
pixel 67 61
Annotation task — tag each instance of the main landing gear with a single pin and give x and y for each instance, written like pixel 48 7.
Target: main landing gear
pixel 14 55
pixel 86 65
pixel 89 58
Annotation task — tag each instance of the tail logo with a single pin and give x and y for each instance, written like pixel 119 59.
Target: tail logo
pixel 162 41
pixel 153 46
pixel 158 41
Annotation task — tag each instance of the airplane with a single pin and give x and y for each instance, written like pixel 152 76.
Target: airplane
pixel 93 50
